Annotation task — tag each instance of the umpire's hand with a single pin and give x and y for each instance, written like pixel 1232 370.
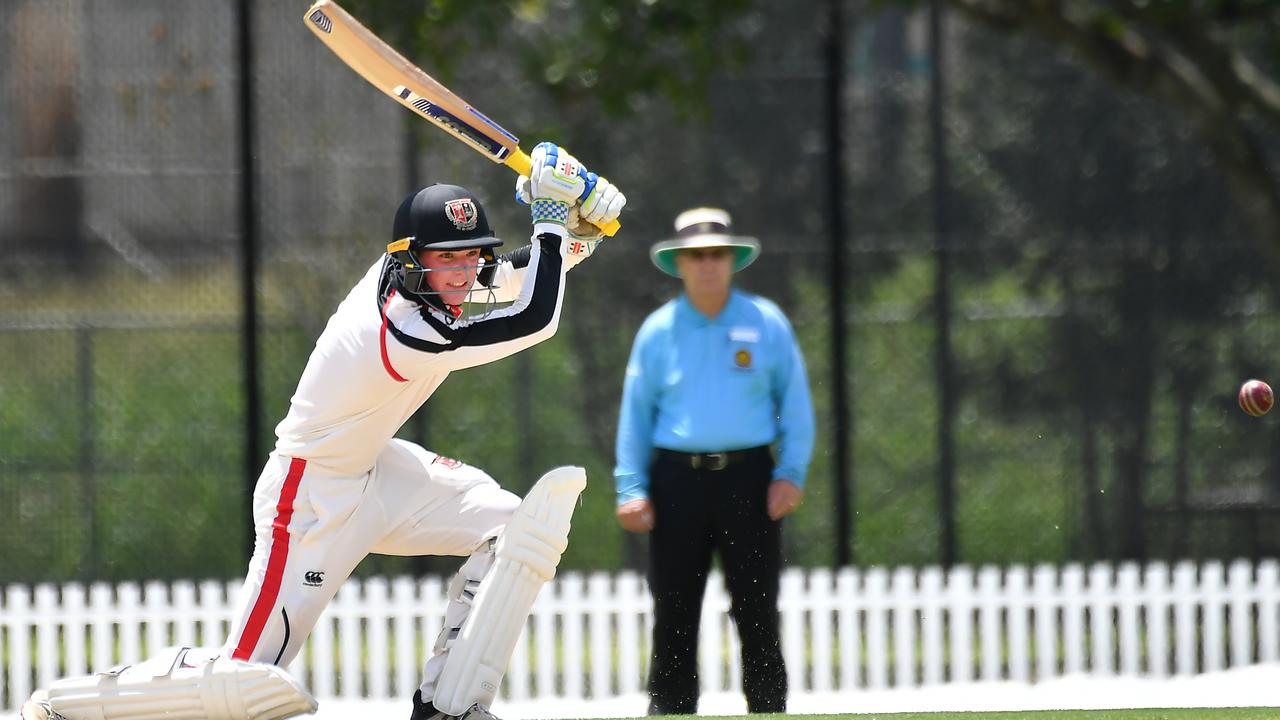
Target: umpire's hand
pixel 784 496
pixel 636 515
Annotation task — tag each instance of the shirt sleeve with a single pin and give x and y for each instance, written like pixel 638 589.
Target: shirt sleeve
pixel 795 410
pixel 501 282
pixel 635 423
pixel 422 338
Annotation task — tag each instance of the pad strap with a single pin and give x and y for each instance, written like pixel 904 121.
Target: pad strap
pixel 177 685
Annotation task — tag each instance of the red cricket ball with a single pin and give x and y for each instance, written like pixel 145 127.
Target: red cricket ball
pixel 1256 397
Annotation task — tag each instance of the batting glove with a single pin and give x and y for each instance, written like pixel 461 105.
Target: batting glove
pixel 603 203
pixel 601 207
pixel 556 182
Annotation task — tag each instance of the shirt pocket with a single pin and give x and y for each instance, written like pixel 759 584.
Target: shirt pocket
pixel 748 376
pixel 746 352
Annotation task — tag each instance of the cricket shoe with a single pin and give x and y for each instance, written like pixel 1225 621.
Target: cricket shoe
pixel 427 711
pixel 37 708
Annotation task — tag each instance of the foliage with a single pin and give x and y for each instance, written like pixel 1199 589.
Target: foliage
pixel 601 53
pixel 1216 62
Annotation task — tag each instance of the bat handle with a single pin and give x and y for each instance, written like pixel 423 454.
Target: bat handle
pixel 520 162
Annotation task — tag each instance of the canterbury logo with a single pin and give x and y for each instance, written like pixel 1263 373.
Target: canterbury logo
pixel 313 578
pixel 322 21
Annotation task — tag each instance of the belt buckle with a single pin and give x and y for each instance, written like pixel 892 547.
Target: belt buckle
pixel 718 460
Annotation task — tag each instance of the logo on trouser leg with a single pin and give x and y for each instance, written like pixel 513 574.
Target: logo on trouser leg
pixel 313 578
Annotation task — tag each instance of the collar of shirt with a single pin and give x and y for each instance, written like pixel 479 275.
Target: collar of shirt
pixel 687 314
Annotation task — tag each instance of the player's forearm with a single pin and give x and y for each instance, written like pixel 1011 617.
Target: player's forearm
pixel 533 317
pixel 795 448
pixel 502 284
pixel 633 447
pixel 534 314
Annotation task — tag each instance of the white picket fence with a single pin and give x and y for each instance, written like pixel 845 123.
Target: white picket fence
pixel 588 636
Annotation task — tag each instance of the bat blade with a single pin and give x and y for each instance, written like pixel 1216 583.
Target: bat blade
pixel 406 83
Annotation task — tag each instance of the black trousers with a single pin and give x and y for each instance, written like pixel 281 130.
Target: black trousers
pixel 698 512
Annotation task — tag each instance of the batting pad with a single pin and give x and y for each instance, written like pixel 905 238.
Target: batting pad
pixel 527 554
pixel 177 686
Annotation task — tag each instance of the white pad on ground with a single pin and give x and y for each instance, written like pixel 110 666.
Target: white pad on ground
pixel 527 554
pixel 178 685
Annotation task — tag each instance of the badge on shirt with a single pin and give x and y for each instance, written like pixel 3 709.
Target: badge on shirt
pixel 743 334
pixel 447 462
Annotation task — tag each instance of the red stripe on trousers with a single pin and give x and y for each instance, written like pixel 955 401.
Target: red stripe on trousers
pixel 382 342
pixel 275 563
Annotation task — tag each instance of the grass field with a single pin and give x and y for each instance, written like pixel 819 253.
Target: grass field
pixel 1165 714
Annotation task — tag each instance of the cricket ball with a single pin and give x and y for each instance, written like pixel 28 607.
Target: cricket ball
pixel 1256 397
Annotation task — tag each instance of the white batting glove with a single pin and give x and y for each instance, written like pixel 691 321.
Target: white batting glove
pixel 602 206
pixel 556 175
pixel 603 203
pixel 556 182
pixel 578 247
pixel 523 195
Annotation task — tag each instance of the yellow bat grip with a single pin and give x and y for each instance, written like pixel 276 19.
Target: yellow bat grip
pixel 520 162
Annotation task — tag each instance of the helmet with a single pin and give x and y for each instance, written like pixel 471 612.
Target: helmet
pixel 437 217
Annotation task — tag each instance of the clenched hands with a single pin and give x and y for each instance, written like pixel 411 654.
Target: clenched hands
pixel 636 515
pixel 784 497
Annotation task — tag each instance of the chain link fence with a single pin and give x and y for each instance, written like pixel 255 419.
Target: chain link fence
pixel 1103 300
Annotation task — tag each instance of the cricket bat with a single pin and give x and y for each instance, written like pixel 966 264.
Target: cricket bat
pixel 390 72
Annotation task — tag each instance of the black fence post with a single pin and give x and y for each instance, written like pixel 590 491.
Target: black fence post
pixel 248 258
pixel 88 472
pixel 942 295
pixel 842 429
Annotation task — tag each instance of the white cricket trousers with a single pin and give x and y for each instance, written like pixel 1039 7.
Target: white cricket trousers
pixel 313 527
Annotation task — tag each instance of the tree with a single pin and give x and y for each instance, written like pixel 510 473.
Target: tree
pixel 1135 231
pixel 1212 63
pixel 1217 61
pixel 670 49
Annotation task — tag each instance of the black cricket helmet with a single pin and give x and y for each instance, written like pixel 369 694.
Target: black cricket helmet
pixel 437 217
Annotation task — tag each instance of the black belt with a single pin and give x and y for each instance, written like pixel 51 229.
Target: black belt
pixel 710 460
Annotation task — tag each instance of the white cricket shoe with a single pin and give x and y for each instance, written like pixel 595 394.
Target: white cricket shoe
pixel 37 708
pixel 427 711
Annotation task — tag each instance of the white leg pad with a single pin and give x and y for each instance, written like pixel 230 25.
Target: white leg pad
pixel 527 553
pixel 177 686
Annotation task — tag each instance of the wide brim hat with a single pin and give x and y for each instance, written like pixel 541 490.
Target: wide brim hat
pixel 703 228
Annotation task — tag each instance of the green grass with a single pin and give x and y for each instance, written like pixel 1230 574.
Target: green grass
pixel 1152 714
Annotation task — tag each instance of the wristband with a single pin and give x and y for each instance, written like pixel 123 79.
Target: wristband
pixel 544 210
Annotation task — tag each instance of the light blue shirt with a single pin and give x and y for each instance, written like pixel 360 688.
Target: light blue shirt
pixel 699 384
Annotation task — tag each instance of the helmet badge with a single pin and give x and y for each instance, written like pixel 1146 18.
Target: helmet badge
pixel 462 213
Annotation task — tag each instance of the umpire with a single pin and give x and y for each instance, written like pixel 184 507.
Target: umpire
pixel 714 380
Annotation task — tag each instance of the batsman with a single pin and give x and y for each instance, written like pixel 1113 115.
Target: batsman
pixel 339 486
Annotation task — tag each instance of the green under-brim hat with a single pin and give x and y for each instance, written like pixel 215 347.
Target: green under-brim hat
pixel 703 228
